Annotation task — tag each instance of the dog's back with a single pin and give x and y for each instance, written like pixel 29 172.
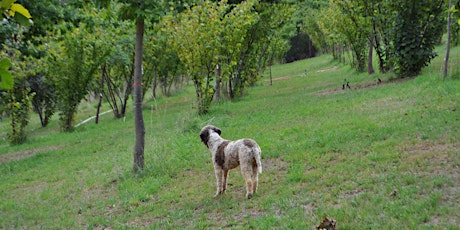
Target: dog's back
pixel 246 150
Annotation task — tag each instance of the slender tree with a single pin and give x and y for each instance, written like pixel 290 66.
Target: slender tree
pixel 140 11
pixel 138 163
pixel 449 26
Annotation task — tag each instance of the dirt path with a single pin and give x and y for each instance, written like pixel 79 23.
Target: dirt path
pixel 14 156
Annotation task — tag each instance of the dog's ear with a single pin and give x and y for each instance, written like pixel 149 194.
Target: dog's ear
pixel 217 130
pixel 204 137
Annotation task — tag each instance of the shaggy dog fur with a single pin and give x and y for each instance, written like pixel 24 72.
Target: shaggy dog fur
pixel 227 155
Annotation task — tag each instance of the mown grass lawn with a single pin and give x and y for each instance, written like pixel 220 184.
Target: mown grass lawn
pixel 377 156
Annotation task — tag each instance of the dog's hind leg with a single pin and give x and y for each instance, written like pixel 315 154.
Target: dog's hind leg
pixel 249 188
pixel 255 178
pixel 246 172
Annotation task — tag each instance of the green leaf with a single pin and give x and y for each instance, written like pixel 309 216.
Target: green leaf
pixel 18 8
pixel 5 64
pixel 22 20
pixel 5 4
pixel 6 79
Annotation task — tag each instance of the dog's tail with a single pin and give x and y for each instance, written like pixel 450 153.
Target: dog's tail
pixel 258 161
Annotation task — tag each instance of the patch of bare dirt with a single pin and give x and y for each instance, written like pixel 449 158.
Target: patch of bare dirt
pixel 309 208
pixel 439 159
pixel 329 91
pixel 342 88
pixel 274 170
pixel 224 221
pixel 278 78
pixel 442 158
pixel 274 164
pixel 14 156
pixel 355 86
pixel 333 68
pixel 352 195
pixel 250 213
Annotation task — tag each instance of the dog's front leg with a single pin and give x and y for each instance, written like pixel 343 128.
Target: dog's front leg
pixel 219 175
pixel 224 182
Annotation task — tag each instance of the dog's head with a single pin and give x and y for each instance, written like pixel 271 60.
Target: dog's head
pixel 206 132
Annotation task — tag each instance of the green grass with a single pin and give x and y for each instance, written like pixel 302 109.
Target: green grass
pixel 375 157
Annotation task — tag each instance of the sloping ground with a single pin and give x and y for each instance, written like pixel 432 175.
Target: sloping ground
pixel 377 156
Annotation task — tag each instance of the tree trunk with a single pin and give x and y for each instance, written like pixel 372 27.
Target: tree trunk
pixel 449 25
pixel 217 86
pixel 370 67
pixel 127 91
pixel 311 48
pixel 154 84
pixel 378 49
pixel 40 114
pixel 260 66
pixel 230 87
pixel 271 79
pixel 138 164
pixel 100 99
pixel 98 108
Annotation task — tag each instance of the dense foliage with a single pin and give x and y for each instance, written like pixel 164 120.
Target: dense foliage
pixel 418 28
pixel 403 33
pixel 233 39
pixel 80 57
pixel 44 97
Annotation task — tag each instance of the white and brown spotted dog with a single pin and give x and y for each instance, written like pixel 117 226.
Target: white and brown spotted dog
pixel 227 155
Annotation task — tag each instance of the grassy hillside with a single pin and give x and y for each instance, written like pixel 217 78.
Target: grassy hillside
pixel 377 156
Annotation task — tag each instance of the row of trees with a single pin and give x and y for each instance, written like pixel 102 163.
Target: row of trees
pixel 85 47
pixel 93 52
pixel 402 33
pixel 238 40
